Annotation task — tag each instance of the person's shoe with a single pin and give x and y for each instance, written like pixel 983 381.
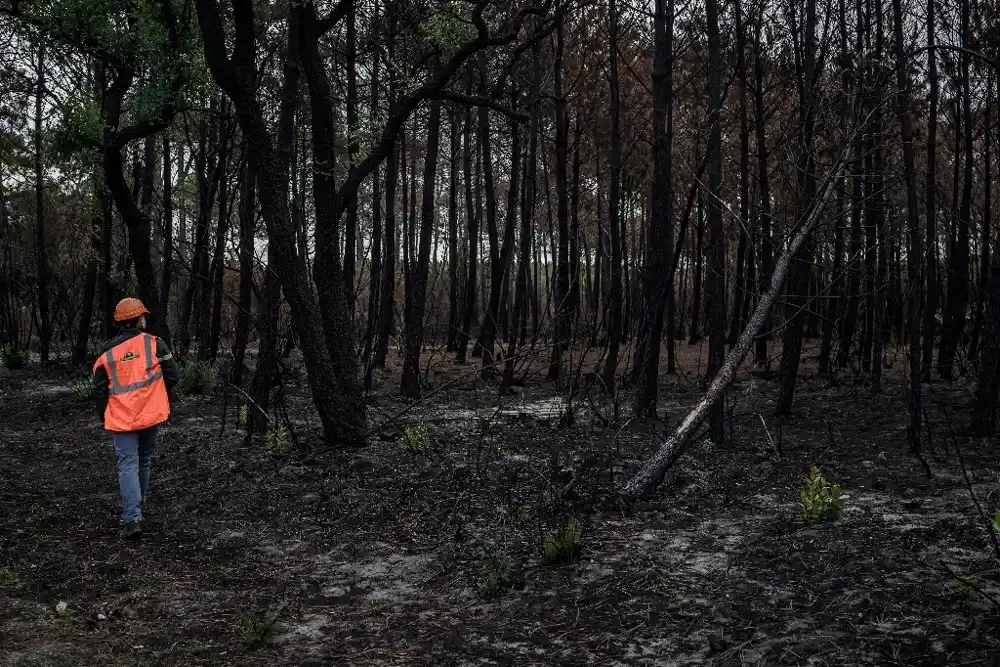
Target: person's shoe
pixel 132 530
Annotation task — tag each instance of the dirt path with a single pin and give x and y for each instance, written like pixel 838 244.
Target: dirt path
pixel 378 558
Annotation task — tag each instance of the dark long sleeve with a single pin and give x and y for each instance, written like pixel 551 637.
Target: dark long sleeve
pixel 100 382
pixel 171 371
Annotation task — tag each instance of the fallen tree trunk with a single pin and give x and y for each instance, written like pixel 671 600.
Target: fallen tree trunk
pixel 645 481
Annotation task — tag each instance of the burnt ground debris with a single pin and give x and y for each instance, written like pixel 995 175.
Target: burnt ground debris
pixel 380 556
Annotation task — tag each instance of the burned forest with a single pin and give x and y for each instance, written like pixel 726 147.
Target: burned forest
pixel 499 332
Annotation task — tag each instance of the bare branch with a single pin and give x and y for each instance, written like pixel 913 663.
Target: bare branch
pixel 476 101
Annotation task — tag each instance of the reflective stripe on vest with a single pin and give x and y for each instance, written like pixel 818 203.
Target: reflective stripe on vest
pixel 116 386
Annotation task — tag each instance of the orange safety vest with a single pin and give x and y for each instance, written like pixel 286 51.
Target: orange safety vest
pixel 137 394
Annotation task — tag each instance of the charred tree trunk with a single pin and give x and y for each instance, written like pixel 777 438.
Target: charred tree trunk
pixel 375 269
pixel 168 227
pixel 41 254
pixel 699 264
pixel 351 218
pixel 218 268
pixel 204 168
pixel 453 283
pixel 799 277
pixel 985 227
pixel 913 255
pixel 930 261
pixel 388 283
pixel 658 272
pixel 988 379
pixel 342 418
pixel 499 280
pixel 520 315
pixel 136 221
pixel 563 307
pixel 416 297
pixel 742 293
pixel 614 222
pixel 248 228
pixel 472 244
pixel 761 356
pixel 716 285
pixel 81 349
pixel 957 300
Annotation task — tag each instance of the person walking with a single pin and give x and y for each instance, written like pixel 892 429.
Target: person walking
pixel 133 378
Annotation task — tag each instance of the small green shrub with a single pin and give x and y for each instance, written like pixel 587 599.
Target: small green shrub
pixel 963 590
pixel 13 358
pixel 821 501
pixel 565 546
pixel 197 378
pixel 765 451
pixel 415 439
pixel 4 397
pixel 278 441
pixel 83 389
pixel 8 578
pixel 242 416
pixel 484 421
pixel 260 631
pixel 224 575
pixel 499 574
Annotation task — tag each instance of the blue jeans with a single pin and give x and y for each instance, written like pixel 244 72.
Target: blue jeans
pixel 135 453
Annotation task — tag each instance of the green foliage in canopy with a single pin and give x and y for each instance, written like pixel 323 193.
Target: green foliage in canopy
pixel 153 46
pixel 448 27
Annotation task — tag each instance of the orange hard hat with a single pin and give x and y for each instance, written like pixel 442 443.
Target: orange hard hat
pixel 129 308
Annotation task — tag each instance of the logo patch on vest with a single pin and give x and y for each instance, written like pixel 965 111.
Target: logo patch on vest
pixel 130 356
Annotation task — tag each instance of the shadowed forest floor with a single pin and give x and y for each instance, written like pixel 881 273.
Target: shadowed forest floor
pixel 377 557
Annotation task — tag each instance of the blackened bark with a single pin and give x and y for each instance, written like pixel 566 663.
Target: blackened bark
pixel 985 227
pixel 988 378
pixel 472 243
pixel 699 264
pixel 218 268
pixel 499 279
pixel 832 310
pixel 81 349
pixel 41 253
pixel 520 315
pixel 248 228
pixel 913 255
pixel 416 297
pixel 742 293
pixel 800 269
pixel 875 214
pixel 375 269
pixel 574 230
pixel 716 284
pixel 563 304
pixel 167 225
pixel 659 240
pixel 205 166
pixel 265 375
pixel 930 208
pixel 136 222
pixel 957 299
pixel 614 223
pixel 453 282
pixel 761 356
pixel 328 273
pixel 341 414
pixel 351 218
pixel 387 290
